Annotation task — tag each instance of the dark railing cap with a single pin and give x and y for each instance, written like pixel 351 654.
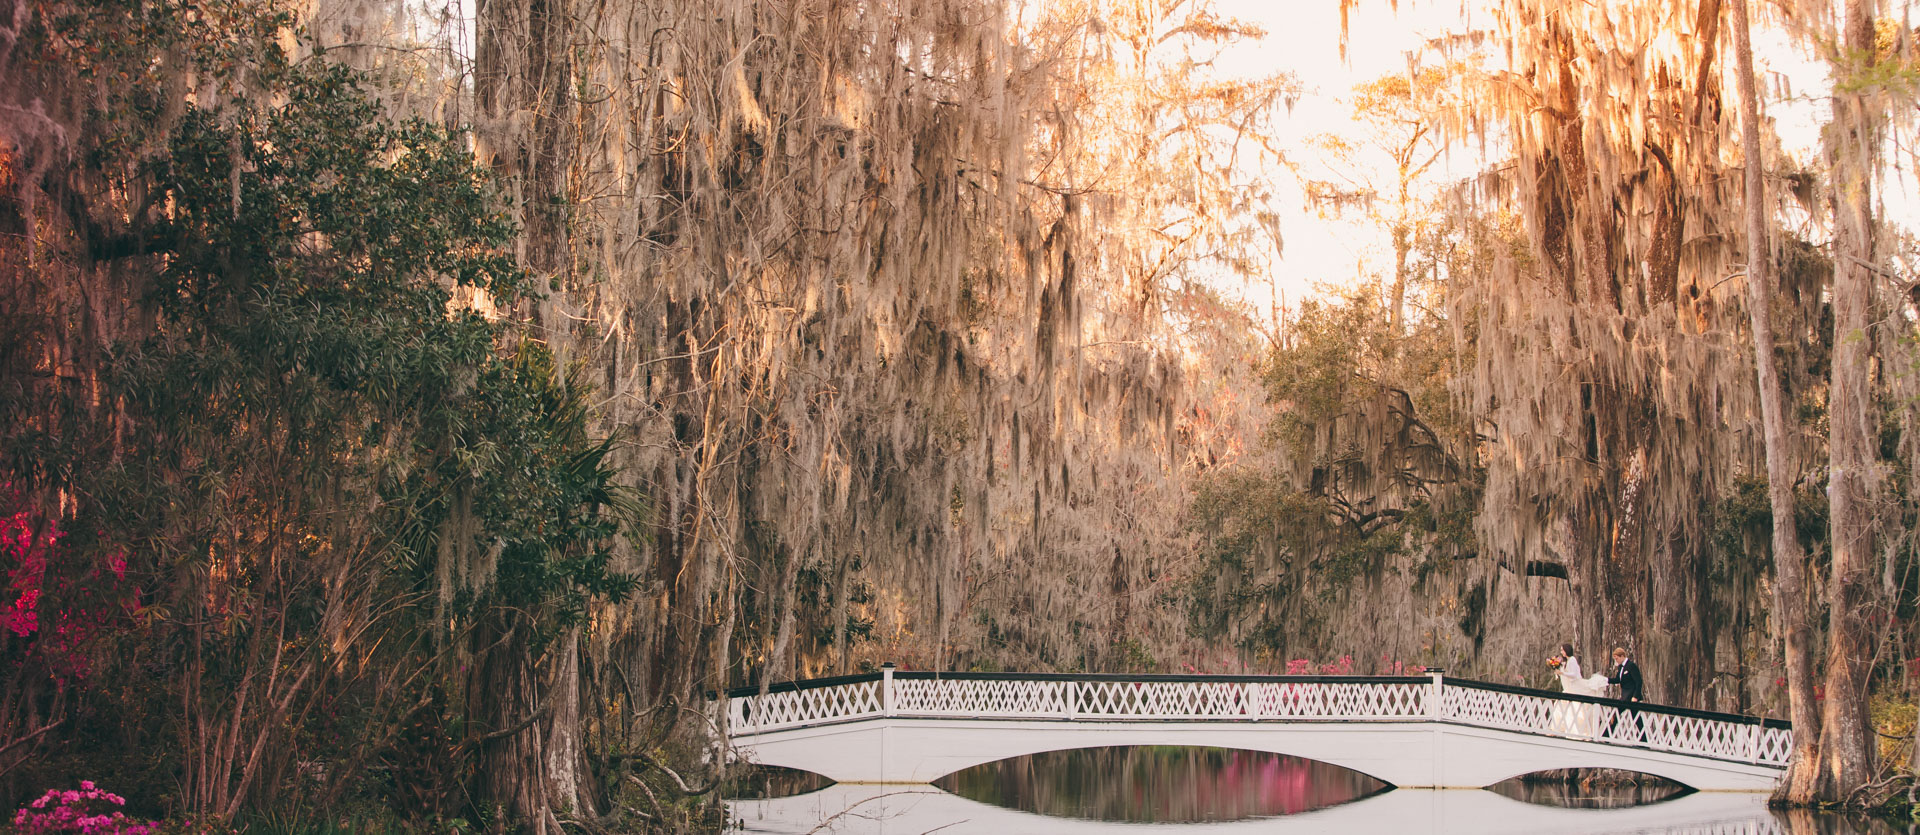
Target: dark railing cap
pixel 1176 678
pixel 790 686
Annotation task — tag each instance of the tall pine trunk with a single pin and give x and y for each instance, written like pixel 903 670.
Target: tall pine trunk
pixel 1790 564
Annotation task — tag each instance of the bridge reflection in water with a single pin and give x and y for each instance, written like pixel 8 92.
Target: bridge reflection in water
pixel 1160 785
pixel 875 809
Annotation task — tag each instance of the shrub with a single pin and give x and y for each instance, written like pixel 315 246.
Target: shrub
pixel 88 810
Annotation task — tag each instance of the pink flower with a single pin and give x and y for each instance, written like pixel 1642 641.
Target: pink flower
pixel 78 811
pixel 19 617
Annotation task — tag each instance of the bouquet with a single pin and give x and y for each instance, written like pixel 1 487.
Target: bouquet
pixel 1555 662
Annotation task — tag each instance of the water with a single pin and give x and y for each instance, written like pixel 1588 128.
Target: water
pixel 1160 784
pixel 1175 791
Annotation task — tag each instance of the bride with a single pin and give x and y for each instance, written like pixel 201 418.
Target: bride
pixel 1575 719
pixel 1570 678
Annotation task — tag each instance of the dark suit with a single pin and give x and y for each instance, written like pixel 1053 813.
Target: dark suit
pixel 1627 675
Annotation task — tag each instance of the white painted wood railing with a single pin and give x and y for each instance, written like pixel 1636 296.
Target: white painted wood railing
pixel 1256 699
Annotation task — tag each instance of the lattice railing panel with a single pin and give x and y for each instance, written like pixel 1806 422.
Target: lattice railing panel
pixel 1161 700
pixel 1774 746
pixel 1683 734
pixel 1494 709
pixel 964 697
pixel 1340 701
pixel 815 706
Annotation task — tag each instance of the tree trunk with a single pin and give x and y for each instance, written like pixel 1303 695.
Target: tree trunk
pixel 842 576
pixel 1623 569
pixel 1846 742
pixel 569 783
pixel 1669 227
pixel 531 751
pixel 524 67
pixel 1402 247
pixel 1790 564
pixel 503 699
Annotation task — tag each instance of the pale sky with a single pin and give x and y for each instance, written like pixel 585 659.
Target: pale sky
pixel 1304 38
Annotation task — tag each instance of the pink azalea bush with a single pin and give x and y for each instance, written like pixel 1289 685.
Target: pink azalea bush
pixel 23 552
pixel 63 615
pixel 88 810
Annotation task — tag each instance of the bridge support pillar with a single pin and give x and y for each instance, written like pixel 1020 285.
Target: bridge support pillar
pixel 1435 711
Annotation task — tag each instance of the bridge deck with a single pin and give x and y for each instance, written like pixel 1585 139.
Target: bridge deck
pixel 1401 729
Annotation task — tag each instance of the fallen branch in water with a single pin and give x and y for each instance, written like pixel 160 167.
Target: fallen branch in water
pixel 843 812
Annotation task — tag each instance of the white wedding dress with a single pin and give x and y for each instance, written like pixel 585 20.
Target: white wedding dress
pixel 1571 682
pixel 1577 719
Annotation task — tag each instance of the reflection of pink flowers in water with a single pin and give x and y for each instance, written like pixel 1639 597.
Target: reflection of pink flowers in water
pixel 1161 785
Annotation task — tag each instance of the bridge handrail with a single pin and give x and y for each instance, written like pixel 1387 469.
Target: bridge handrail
pixel 918 675
pixel 791 686
pixel 1252 698
pixel 1643 707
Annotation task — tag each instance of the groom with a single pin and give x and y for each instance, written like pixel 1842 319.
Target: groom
pixel 1627 675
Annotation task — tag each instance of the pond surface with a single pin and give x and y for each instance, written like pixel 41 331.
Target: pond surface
pixel 1174 791
pixel 1160 784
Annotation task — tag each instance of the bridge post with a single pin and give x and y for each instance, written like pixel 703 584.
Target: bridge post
pixel 886 729
pixel 1073 700
pixel 886 689
pixel 1434 714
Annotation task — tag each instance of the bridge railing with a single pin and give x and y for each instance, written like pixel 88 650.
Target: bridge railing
pixel 1256 699
pixel 1170 698
pixel 1720 735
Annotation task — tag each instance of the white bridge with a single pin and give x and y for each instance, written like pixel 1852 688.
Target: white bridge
pixel 1410 732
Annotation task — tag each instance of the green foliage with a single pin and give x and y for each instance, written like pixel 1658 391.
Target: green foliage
pixel 1743 527
pixel 1263 542
pixel 372 821
pixel 1370 477
pixel 1334 351
pixel 544 496
pixel 1130 655
pixel 315 404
